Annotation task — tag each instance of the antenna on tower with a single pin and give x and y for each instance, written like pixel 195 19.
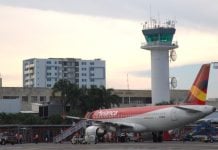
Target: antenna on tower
pixel 158 15
pixel 150 11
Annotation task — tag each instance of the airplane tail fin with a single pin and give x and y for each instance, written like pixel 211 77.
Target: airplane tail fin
pixel 198 93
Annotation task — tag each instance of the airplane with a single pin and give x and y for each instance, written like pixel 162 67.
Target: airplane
pixel 155 119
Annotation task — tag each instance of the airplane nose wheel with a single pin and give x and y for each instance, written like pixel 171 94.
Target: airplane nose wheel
pixel 157 137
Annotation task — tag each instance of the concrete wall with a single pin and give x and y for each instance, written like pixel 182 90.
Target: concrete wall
pixel 43 96
pixel 143 97
pixel 10 105
pixel 26 95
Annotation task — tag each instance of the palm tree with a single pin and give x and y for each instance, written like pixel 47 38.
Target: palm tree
pixel 62 87
pixel 74 94
pixel 82 100
pixel 101 98
pixel 109 99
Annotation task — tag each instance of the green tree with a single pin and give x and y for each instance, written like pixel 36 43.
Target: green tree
pixel 82 100
pixel 55 119
pixel 62 88
pixel 69 94
pixel 74 95
pixel 109 99
pixel 20 118
pixel 96 98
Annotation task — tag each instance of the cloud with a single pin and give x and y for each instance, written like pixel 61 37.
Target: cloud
pixel 44 34
pixel 106 8
pixel 195 13
pixel 27 33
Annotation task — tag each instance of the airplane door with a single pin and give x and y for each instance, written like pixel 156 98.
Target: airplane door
pixel 173 114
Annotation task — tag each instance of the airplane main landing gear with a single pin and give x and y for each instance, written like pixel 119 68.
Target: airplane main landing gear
pixel 157 137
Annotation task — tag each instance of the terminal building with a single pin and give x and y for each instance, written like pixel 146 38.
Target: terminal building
pixel 128 98
pixel 31 99
pixel 46 72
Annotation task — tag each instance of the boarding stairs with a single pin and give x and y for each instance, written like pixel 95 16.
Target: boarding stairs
pixel 69 131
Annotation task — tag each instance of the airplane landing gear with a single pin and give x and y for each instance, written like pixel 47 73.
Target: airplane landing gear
pixel 157 137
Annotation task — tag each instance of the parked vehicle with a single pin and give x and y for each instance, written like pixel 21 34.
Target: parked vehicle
pixel 77 140
pixel 6 137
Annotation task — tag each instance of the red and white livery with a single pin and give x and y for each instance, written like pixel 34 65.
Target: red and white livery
pixel 155 119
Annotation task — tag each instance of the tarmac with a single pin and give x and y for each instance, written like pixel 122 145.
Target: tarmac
pixel 115 146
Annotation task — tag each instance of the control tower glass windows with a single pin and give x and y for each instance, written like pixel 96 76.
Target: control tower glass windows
pixel 159 37
pixel 152 38
pixel 166 38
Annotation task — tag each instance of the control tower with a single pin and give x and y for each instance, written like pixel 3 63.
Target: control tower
pixel 159 41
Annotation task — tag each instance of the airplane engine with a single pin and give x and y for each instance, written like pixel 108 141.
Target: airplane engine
pixel 95 130
pixel 93 133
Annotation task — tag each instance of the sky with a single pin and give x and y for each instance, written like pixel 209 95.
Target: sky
pixel 110 30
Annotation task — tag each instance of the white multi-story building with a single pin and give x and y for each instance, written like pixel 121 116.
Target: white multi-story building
pixel 46 72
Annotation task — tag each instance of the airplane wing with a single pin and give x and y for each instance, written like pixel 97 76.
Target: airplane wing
pixel 76 118
pixel 188 109
pixel 103 122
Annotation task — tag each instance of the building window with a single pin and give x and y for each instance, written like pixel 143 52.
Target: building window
pixel 148 100
pixel 48 85
pixel 48 62
pixel 83 80
pixel 24 98
pixel 126 100
pixel 64 63
pixel 91 63
pixel 42 98
pixel 69 63
pixel 48 67
pixel 91 68
pixel 48 79
pixel 83 74
pixel 10 97
pixel 83 63
pixel 48 74
pixel 83 69
pixel 33 98
pixel 92 80
pixel 93 86
pixel 92 74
